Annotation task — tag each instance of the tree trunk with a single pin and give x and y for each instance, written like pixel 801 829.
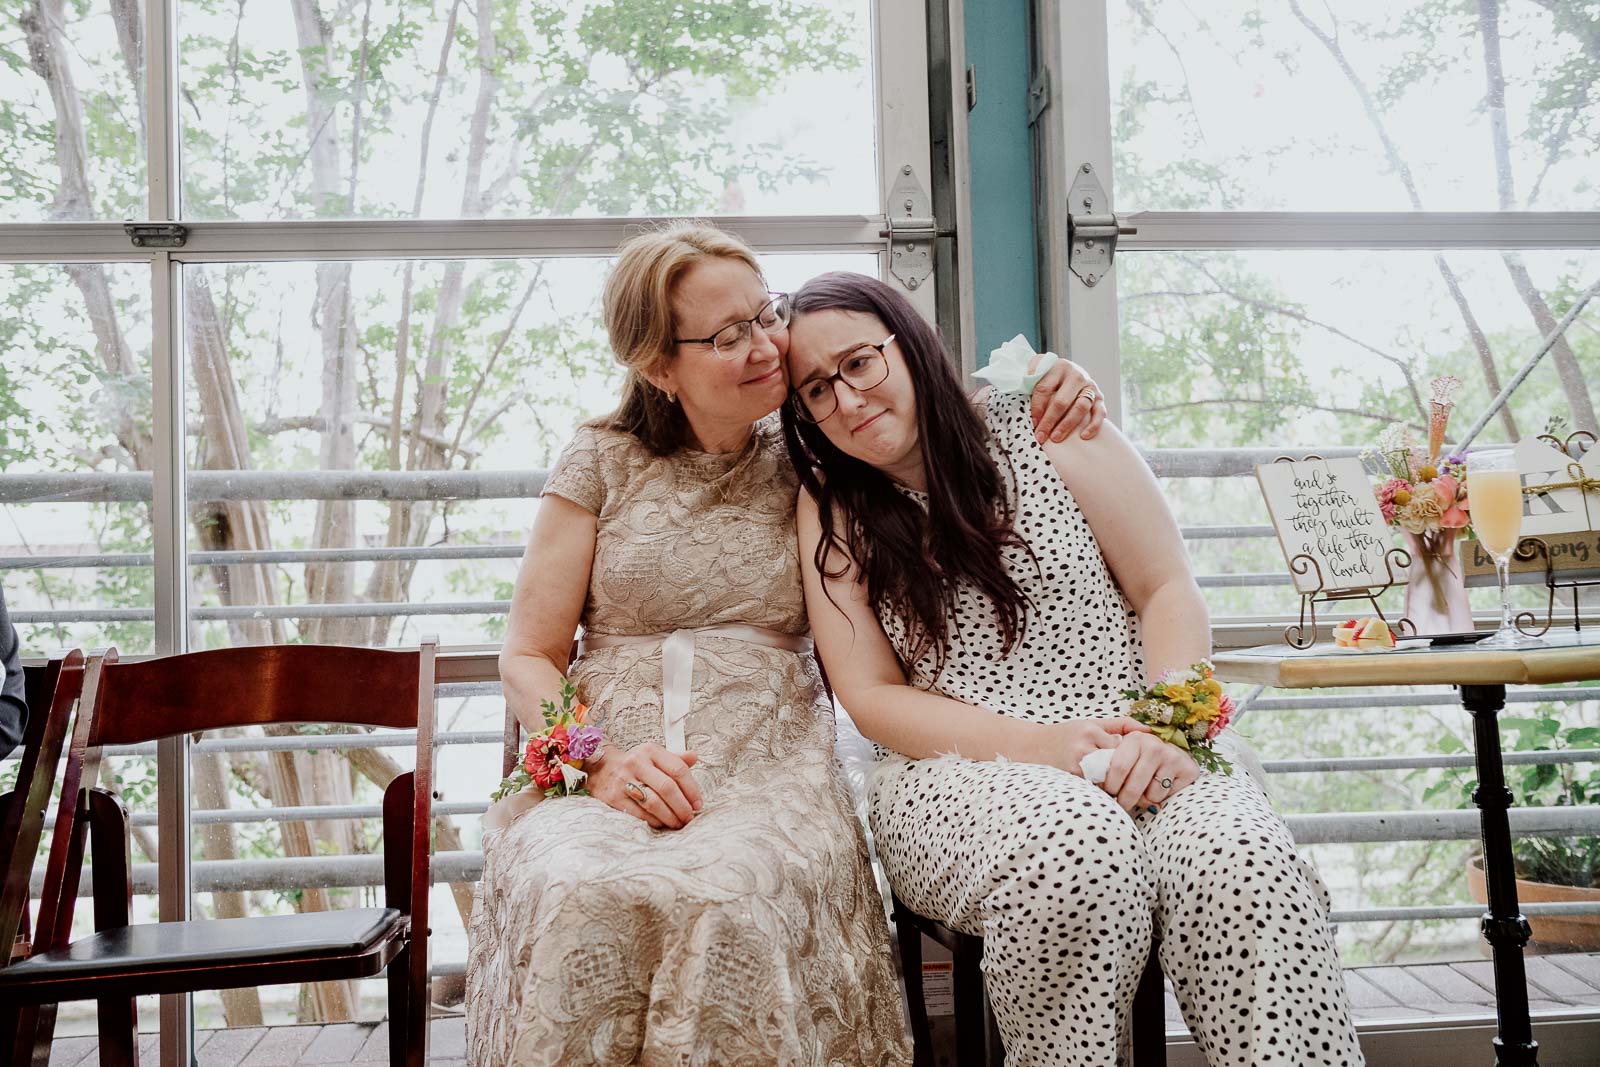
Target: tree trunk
pixel 44 30
pixel 320 1001
pixel 226 525
pixel 240 1007
pixel 380 770
pixel 129 20
pixel 330 583
pixel 409 521
pixel 1567 368
pixel 1369 106
pixel 238 526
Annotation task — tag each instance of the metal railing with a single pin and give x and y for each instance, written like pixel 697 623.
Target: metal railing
pixel 460 866
pixel 1332 828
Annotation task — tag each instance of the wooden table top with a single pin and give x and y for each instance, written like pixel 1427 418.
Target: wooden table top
pixel 1564 656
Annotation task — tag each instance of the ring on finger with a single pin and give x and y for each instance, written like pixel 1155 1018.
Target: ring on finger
pixel 636 791
pixel 1165 783
pixel 1088 391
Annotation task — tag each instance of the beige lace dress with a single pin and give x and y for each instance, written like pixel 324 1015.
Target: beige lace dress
pixel 755 935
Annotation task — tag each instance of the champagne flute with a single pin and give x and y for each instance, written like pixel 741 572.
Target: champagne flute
pixel 1494 493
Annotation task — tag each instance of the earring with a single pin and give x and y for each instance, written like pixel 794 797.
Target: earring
pixel 672 398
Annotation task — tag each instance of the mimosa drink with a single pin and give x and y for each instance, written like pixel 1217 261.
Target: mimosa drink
pixel 1494 495
pixel 1496 501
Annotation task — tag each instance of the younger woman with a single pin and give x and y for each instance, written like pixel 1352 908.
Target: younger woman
pixel 979 601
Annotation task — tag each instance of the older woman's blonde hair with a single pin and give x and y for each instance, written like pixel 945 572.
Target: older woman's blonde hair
pixel 637 302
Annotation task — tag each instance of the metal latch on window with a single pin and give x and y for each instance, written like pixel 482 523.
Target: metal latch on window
pixel 156 234
pixel 911 230
pixel 1091 230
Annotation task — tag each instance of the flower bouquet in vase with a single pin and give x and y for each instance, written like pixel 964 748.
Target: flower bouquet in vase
pixel 1425 496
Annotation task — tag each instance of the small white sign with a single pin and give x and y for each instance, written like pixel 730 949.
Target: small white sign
pixel 939 987
pixel 1555 511
pixel 1326 509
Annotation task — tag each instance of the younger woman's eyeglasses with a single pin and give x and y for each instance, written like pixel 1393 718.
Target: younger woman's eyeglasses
pixel 863 368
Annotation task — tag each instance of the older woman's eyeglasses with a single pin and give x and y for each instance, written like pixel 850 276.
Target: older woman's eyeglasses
pixel 863 368
pixel 733 340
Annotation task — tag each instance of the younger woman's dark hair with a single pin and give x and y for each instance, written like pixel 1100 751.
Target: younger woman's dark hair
pixel 897 545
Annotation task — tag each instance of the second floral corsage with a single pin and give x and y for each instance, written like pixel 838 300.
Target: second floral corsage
pixel 553 760
pixel 1186 708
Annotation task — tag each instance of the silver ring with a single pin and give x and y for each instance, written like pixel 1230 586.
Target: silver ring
pixel 1164 783
pixel 1090 393
pixel 635 790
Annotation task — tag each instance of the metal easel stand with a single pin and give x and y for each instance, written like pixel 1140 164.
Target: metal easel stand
pixel 1535 547
pixel 1297 635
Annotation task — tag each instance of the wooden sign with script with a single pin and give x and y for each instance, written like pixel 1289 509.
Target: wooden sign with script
pixel 1573 556
pixel 1325 509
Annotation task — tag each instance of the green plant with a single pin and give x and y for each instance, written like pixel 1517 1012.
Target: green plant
pixel 1571 861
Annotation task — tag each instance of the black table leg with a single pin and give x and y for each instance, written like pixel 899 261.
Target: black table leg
pixel 1504 926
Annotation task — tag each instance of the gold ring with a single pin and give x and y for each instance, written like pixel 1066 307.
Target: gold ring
pixel 1089 392
pixel 1165 783
pixel 635 790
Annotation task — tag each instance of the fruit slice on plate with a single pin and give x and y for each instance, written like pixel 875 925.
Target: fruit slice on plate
pixel 1374 633
pixel 1363 634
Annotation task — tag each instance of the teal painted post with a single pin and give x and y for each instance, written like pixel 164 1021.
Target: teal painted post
pixel 1003 237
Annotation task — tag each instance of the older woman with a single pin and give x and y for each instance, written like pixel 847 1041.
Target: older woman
pixel 711 901
pixel 981 601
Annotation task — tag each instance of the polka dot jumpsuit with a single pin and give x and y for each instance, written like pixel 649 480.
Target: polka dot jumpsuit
pixel 1061 883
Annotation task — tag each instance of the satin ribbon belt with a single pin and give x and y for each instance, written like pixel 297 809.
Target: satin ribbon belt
pixel 677 663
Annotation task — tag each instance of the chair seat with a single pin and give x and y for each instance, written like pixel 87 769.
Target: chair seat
pixel 154 950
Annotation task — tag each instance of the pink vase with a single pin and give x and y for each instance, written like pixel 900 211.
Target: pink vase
pixel 1436 596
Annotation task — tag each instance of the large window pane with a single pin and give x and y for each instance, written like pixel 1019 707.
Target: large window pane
pixel 75 455
pixel 1366 106
pixel 72 110
pixel 1300 352
pixel 498 362
pixel 76 543
pixel 1309 350
pixel 546 109
pixel 1319 348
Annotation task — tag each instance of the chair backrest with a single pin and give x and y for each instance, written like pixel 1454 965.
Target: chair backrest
pixel 51 691
pixel 261 684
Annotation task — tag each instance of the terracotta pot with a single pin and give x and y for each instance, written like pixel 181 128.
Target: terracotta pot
pixel 1565 931
pixel 1436 594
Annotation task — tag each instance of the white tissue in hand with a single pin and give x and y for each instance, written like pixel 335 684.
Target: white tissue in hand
pixel 1095 765
pixel 1008 367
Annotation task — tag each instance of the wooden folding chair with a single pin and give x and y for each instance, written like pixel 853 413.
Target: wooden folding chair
pixel 51 690
pixel 132 703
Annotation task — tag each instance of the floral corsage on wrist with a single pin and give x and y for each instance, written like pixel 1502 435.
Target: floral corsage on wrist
pixel 1186 708
pixel 553 760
